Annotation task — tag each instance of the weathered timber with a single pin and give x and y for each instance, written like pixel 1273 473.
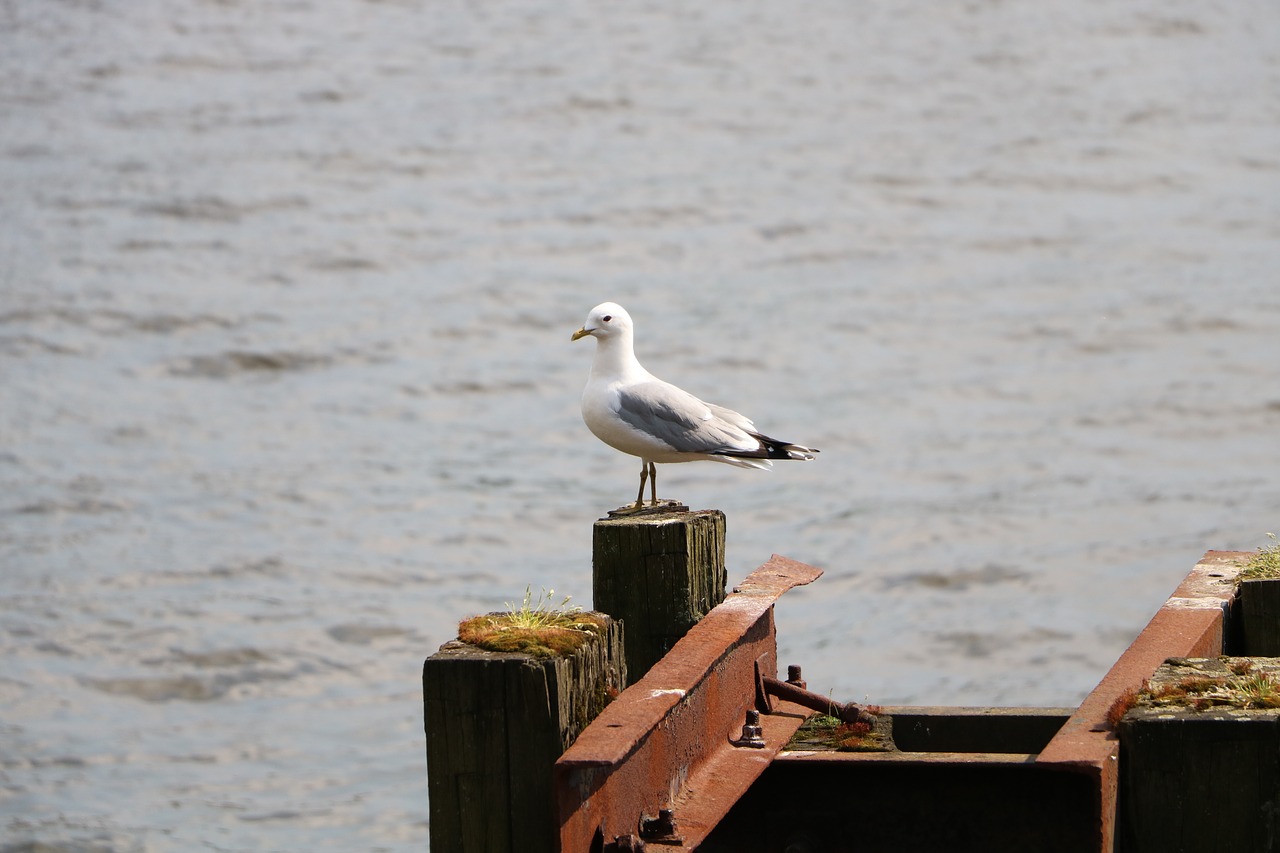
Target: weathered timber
pixel 1259 607
pixel 659 574
pixel 495 724
pixel 1200 780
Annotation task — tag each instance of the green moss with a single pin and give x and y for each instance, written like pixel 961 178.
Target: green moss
pixel 498 633
pixel 823 733
pixel 534 628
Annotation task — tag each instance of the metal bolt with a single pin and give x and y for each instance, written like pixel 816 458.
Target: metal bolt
pixel 795 677
pixel 752 733
pixel 660 828
pixel 846 711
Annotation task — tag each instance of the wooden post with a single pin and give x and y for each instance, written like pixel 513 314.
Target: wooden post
pixel 1260 617
pixel 1199 780
pixel 659 574
pixel 495 723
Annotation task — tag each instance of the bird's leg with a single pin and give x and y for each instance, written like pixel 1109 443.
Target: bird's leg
pixel 653 483
pixel 644 473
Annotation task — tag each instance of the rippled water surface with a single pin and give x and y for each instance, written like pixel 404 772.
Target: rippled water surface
pixel 286 385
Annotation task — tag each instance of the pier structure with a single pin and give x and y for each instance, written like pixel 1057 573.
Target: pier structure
pixel 704 748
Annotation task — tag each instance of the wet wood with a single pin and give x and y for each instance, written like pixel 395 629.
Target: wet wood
pixel 659 574
pixel 495 725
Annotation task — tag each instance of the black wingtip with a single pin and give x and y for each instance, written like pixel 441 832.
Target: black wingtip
pixel 775 449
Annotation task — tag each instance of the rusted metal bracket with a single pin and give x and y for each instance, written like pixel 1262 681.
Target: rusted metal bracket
pixel 665 745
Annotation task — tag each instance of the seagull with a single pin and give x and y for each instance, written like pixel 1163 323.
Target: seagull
pixel 630 409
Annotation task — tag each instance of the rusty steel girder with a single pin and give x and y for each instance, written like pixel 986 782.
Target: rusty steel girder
pixel 981 779
pixel 670 756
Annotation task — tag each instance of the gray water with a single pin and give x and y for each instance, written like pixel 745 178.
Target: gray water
pixel 286 385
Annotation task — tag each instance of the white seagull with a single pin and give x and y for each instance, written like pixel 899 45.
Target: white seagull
pixel 630 409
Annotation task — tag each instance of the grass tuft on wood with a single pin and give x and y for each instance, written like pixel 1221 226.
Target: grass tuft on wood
pixel 538 628
pixel 1265 564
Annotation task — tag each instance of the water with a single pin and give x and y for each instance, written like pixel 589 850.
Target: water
pixel 286 386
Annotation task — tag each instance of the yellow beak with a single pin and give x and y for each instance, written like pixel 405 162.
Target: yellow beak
pixel 581 333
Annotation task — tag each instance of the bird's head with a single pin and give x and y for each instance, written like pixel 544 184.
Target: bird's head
pixel 605 321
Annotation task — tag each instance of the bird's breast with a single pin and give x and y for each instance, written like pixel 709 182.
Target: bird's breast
pixel 600 411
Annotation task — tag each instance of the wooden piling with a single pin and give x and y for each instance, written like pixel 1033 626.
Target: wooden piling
pixel 659 574
pixel 1260 617
pixel 1200 779
pixel 495 724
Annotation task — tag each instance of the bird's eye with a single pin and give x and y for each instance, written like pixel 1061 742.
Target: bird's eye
pixel 607 317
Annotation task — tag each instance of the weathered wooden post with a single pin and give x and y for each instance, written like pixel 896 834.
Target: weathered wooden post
pixel 1200 769
pixel 495 724
pixel 1258 603
pixel 658 573
pixel 1259 606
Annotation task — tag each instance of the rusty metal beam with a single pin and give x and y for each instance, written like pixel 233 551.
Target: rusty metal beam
pixel 657 768
pixel 963 780
pixel 1189 624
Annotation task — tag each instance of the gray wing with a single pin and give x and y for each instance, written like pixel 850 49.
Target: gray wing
pixel 681 420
